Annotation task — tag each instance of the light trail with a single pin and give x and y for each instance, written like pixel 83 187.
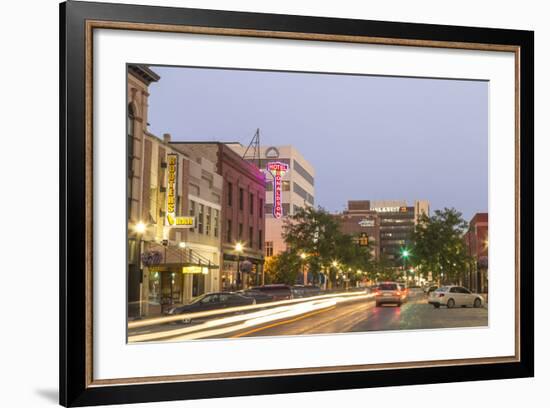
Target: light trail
pixel 175 318
pixel 226 325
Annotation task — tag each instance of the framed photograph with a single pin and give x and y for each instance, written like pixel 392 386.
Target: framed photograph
pixel 257 204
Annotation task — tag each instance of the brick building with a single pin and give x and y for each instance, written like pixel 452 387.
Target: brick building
pixel 243 215
pixel 477 244
pixel 168 263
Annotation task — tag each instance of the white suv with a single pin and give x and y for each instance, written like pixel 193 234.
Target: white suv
pixel 452 296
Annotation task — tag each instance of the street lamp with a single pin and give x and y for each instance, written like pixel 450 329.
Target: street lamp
pixel 140 229
pixel 303 257
pixel 238 249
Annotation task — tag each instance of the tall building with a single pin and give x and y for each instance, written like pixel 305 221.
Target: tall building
pixel 359 221
pixel 388 224
pixel 477 246
pixel 290 185
pixel 242 212
pixel 175 201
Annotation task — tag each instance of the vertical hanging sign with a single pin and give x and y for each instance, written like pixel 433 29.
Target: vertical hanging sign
pixel 171 188
pixel 277 170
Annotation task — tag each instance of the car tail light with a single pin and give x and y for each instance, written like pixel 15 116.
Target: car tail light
pixel 441 295
pixel 397 293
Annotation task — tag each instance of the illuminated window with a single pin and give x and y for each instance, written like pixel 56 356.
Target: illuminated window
pixel 208 220
pixel 269 248
pixel 201 218
pixel 216 222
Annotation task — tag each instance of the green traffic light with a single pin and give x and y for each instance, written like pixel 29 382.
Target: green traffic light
pixel 405 253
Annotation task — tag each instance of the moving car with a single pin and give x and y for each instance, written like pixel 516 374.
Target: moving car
pixel 452 296
pixel 211 301
pixel 278 291
pixel 388 292
pixel 404 292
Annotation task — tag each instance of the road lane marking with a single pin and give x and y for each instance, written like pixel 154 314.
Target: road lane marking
pixel 269 326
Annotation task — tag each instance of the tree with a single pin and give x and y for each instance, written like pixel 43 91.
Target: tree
pixel 438 245
pixel 316 233
pixel 282 268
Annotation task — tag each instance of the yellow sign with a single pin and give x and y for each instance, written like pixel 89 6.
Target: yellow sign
pixel 185 222
pixel 171 188
pixel 194 269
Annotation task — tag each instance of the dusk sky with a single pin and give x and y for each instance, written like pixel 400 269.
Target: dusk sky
pixel 368 137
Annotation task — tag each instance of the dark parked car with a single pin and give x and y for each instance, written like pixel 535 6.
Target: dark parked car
pixel 211 301
pixel 300 291
pixel 278 291
pixel 259 296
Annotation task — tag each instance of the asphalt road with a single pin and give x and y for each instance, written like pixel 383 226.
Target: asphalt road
pixel 365 316
pixel 318 317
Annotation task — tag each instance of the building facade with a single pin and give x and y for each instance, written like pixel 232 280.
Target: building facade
pixel 388 224
pixel 174 215
pixel 242 213
pixel 284 195
pixel 359 221
pixel 477 246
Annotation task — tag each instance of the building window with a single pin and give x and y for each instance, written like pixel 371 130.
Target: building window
pixel 261 208
pixel 192 211
pixel 286 209
pixel 208 220
pixel 229 232
pixel 240 231
pixel 303 193
pixel 229 194
pixel 260 239
pixel 216 222
pixel 286 185
pixel 130 130
pixel 241 199
pixel 251 237
pixel 201 218
pixel 251 203
pixel 269 186
pixel 268 208
pixel 303 172
pixel 268 248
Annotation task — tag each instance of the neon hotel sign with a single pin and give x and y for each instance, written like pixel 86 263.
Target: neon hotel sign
pixel 277 170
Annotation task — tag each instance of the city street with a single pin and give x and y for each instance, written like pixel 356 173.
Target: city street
pixel 355 313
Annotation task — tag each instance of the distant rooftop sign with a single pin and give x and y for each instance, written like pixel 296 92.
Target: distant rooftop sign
pixel 272 152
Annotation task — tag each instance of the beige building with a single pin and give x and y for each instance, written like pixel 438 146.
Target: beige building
pixel 174 214
pixel 297 189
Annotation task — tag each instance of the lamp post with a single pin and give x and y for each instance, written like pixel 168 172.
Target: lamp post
pixel 335 265
pixel 139 229
pixel 238 250
pixel 303 257
pixel 405 255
